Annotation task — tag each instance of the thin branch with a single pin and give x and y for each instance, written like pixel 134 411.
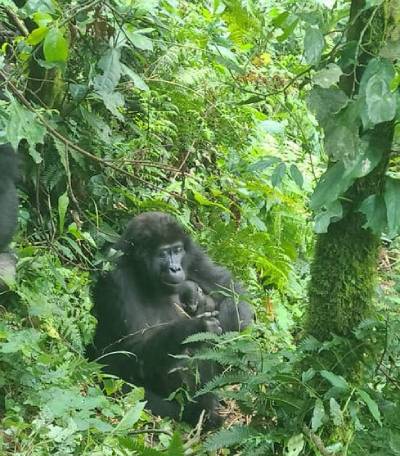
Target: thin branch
pixel 17 21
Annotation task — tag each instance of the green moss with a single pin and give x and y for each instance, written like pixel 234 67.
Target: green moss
pixel 342 278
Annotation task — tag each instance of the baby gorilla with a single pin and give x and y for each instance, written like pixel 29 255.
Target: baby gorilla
pixel 194 302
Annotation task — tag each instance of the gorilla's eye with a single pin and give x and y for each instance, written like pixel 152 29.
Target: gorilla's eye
pixel 163 253
pixel 178 249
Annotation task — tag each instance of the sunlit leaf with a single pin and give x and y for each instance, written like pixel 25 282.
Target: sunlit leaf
pixel 55 46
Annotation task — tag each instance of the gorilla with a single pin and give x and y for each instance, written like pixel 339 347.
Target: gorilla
pixel 8 210
pixel 163 289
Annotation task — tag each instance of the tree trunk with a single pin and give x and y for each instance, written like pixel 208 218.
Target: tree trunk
pixel 343 272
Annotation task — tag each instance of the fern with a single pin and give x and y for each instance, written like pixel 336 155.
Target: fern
pixel 202 337
pixel 226 438
pixel 223 380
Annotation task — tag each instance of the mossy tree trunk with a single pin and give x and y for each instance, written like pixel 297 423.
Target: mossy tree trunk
pixel 344 268
pixel 343 272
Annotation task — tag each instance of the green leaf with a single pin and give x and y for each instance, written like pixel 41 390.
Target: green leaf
pixel 335 380
pixel 24 125
pixel 63 202
pixel 37 36
pixel 381 102
pixel 131 417
pixel 338 178
pixel 135 78
pixel 392 200
pixel 42 19
pixel 289 27
pixel 318 415
pixel 332 213
pixel 328 76
pixel 139 40
pixel 273 127
pixel 336 412
pixel 375 82
pixel 372 405
pixel 264 163
pixel 341 141
pixel 203 201
pixel 324 103
pixel 294 446
pixel 313 45
pixel 278 174
pixel 111 66
pixel 374 209
pixel 176 446
pixel 226 438
pixel 55 46
pixel 296 175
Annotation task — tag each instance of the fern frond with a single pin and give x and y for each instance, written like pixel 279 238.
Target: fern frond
pixel 226 438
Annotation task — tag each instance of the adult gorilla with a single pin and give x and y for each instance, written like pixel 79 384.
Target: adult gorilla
pixel 163 289
pixel 8 209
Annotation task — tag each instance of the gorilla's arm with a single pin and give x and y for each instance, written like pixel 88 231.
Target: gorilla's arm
pixel 216 281
pixel 150 344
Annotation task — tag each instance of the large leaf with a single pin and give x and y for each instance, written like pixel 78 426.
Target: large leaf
pixel 335 380
pixel 139 39
pixel 135 78
pixel 111 66
pixel 55 46
pixel 381 102
pixel 23 125
pixel 278 174
pixel 372 405
pixel 376 101
pixel 374 209
pixel 392 200
pixel 339 177
pixel 313 45
pixel 324 103
pixel 131 417
pixel 328 76
pixel 341 141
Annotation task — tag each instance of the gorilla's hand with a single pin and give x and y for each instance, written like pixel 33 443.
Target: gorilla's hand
pixel 211 323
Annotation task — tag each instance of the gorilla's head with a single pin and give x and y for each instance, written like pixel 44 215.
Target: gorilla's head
pixel 156 246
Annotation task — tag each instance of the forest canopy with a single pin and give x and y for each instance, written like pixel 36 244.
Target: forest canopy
pixel 268 130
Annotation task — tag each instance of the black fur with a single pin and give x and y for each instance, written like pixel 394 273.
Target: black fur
pixel 8 195
pixel 140 314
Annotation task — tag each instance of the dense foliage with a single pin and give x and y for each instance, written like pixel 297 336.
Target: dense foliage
pixel 251 121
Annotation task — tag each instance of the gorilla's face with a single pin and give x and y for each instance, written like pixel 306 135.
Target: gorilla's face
pixel 167 264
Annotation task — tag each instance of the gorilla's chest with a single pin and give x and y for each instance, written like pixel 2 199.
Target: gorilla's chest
pixel 149 312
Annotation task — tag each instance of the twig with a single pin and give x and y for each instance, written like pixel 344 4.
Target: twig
pixel 17 21
pixel 150 431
